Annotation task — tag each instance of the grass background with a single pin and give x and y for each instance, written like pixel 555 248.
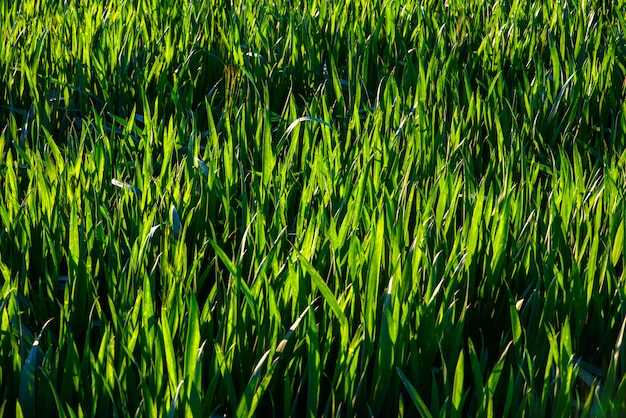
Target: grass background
pixel 374 207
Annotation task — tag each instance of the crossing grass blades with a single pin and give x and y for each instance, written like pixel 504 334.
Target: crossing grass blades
pixel 272 207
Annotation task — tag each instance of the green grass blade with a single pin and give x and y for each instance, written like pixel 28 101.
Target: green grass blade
pixel 328 297
pixel 414 395
pixel 458 385
pixel 27 395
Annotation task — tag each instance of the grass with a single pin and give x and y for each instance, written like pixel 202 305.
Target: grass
pixel 299 208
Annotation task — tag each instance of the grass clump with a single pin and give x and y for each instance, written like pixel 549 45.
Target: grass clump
pixel 376 208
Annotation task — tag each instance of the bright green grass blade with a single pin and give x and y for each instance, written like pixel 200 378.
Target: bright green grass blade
pixel 174 404
pixel 360 195
pixel 170 354
pixel 6 275
pixel 147 310
pixel 76 269
pixel 258 383
pixel 500 240
pixel 297 122
pixel 328 297
pixel 314 366
pixel 247 403
pixel 618 244
pixel 516 326
pixel 371 287
pixel 269 159
pixel 458 385
pixel 474 231
pixel 19 413
pixel 230 266
pixel 74 244
pixel 192 345
pixel 227 376
pixel 496 372
pixel 386 349
pixel 235 272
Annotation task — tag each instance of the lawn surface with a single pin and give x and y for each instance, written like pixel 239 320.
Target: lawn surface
pixel 351 208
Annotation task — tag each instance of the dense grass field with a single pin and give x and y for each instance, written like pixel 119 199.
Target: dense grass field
pixel 273 207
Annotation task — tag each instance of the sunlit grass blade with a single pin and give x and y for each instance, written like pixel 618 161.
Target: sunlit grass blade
pixel 327 296
pixel 192 347
pixel 174 404
pixel 259 382
pixel 458 386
